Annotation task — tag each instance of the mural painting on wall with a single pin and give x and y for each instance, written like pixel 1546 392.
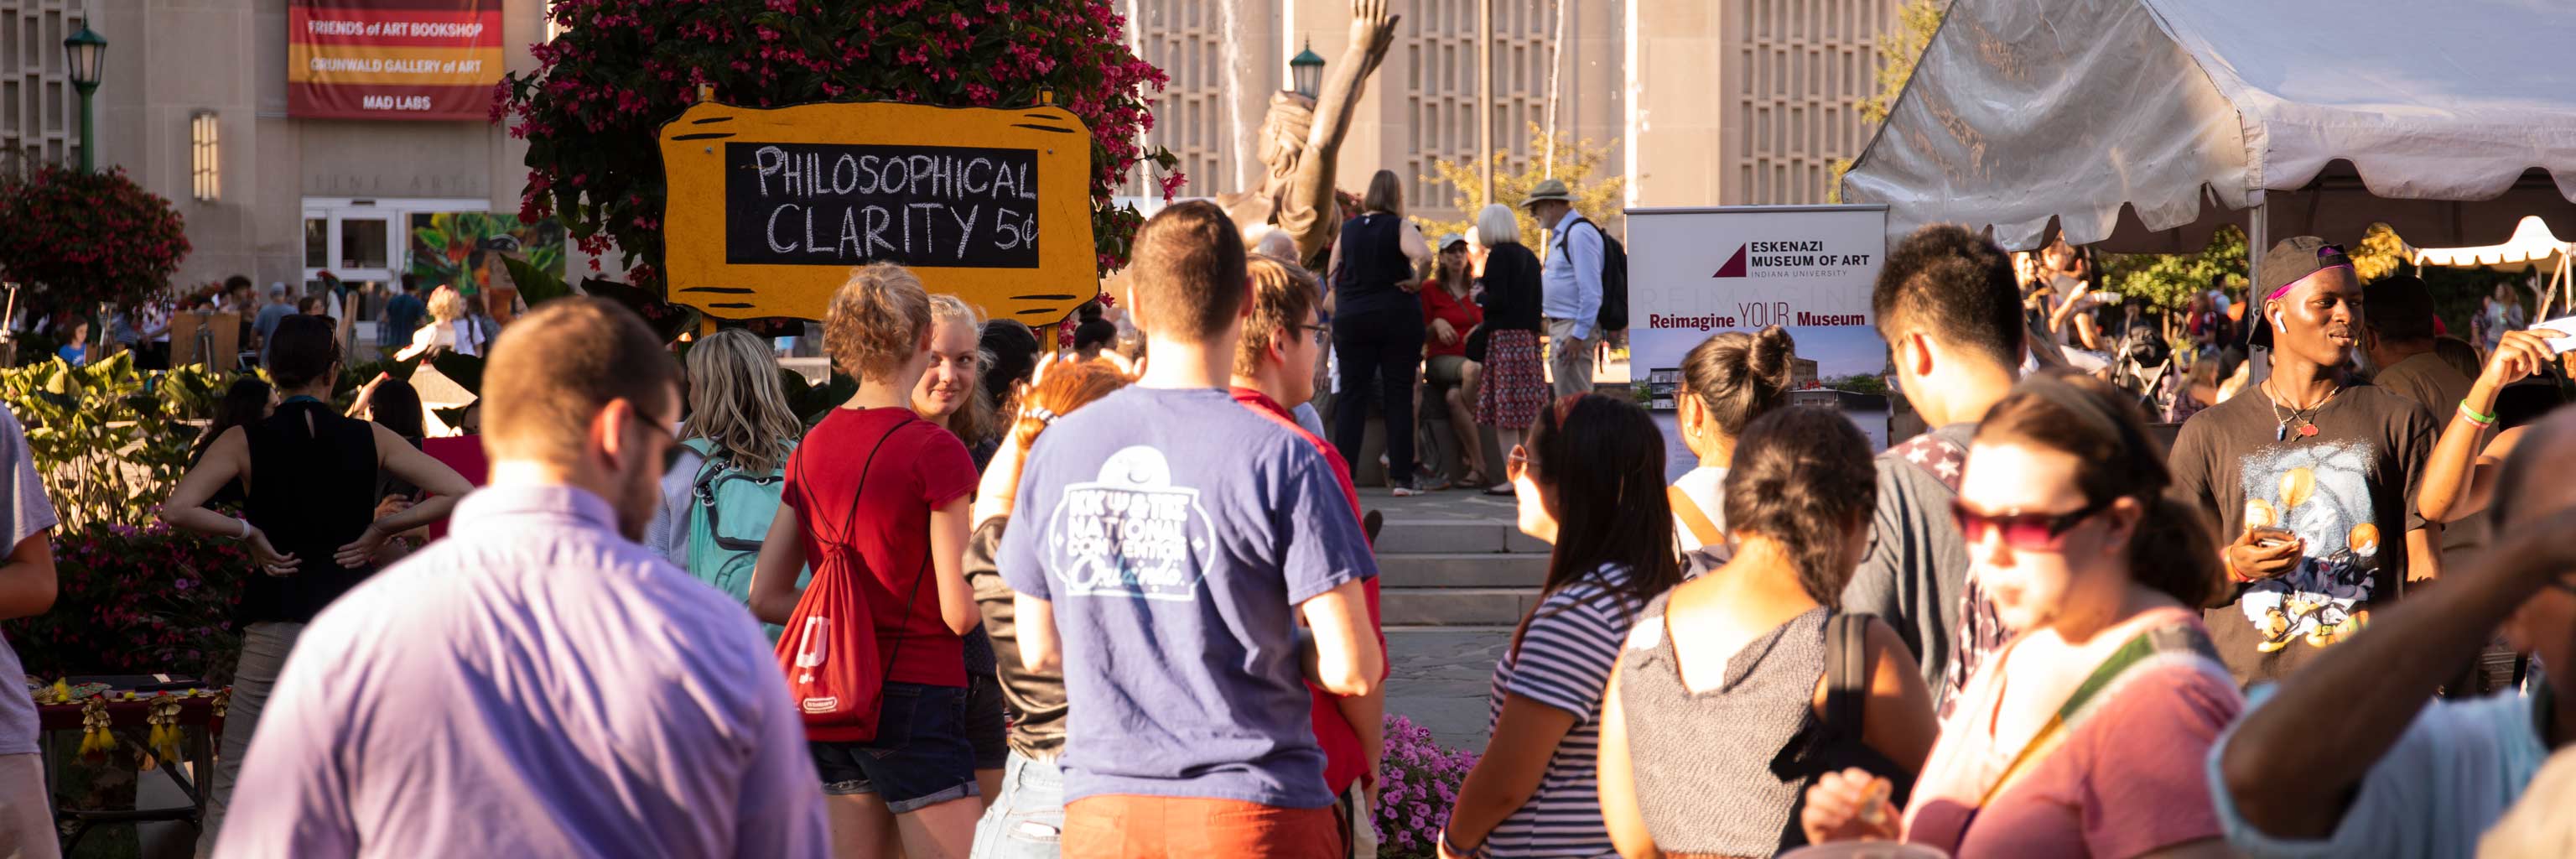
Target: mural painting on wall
pixel 464 249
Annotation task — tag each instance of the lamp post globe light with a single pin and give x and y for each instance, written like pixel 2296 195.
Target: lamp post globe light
pixel 1306 71
pixel 86 53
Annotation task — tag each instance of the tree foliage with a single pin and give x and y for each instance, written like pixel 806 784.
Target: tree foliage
pixel 592 110
pixel 2169 281
pixel 1898 50
pixel 88 238
pixel 1581 165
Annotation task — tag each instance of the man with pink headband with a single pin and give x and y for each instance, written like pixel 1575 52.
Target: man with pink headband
pixel 2310 474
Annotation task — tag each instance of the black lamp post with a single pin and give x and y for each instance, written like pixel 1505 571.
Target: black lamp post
pixel 1306 71
pixel 86 53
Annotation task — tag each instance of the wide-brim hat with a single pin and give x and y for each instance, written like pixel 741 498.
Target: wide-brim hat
pixel 2291 260
pixel 1552 189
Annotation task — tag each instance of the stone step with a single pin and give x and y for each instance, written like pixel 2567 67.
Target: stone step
pixel 1451 607
pixel 1461 570
pixel 1450 536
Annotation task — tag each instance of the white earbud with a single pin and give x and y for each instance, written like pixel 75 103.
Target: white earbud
pixel 2276 321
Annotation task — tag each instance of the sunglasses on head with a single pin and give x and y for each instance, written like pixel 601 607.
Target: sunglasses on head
pixel 2026 531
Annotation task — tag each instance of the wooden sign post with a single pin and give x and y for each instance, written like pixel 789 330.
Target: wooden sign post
pixel 768 210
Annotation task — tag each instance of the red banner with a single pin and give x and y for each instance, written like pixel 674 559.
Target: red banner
pixel 392 59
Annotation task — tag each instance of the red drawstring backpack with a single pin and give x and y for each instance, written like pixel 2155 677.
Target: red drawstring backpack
pixel 829 651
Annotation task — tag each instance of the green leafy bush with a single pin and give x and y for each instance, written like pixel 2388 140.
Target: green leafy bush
pixel 110 441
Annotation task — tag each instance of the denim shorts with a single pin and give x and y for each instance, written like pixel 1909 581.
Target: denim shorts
pixel 1026 820
pixel 988 725
pixel 920 756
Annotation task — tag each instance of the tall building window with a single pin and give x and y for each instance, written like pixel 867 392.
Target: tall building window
pixel 205 158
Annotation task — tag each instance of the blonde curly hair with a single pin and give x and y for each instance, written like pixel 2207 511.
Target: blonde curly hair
pixel 876 320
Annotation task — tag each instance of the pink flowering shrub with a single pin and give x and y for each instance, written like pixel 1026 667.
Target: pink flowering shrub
pixel 621 68
pixel 136 601
pixel 87 238
pixel 1418 784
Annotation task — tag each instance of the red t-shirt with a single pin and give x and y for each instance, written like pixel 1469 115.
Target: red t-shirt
pixel 919 468
pixel 1462 313
pixel 1341 742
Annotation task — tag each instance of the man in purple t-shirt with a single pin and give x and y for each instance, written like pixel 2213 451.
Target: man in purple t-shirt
pixel 1167 541
pixel 540 685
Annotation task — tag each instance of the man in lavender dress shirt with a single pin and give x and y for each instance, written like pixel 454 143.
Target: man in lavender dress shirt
pixel 538 684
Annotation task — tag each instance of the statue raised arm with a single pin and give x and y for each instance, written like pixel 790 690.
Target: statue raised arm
pixel 1301 188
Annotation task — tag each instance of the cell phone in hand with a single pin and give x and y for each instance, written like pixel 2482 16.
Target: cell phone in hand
pixel 2268 536
pixel 2565 327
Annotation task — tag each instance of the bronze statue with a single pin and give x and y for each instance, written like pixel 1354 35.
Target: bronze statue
pixel 1297 195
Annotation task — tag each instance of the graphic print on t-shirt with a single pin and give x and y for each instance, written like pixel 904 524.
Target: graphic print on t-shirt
pixel 2321 492
pixel 1131 532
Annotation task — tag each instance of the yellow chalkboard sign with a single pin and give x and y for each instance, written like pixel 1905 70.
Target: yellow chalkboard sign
pixel 769 209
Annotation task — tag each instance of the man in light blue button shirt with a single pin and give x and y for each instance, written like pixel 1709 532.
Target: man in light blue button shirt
pixel 1570 286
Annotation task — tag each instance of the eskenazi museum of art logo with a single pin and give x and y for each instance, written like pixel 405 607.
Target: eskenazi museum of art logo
pixel 1807 258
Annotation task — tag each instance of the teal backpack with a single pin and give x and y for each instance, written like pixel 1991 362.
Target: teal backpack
pixel 729 515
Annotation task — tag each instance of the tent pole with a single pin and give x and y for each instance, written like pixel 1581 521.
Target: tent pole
pixel 2258 238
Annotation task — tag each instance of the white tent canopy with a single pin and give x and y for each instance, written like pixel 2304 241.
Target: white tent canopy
pixel 2532 246
pixel 2143 125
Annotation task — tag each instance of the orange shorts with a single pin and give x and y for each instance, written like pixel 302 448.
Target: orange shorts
pixel 1126 826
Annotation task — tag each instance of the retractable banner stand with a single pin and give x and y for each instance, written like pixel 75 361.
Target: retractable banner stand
pixel 1695 272
pixel 392 59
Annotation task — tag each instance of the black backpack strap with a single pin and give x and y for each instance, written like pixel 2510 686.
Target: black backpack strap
pixel 1847 674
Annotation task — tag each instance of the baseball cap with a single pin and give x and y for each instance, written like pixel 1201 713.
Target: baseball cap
pixel 2400 308
pixel 2290 261
pixel 1451 239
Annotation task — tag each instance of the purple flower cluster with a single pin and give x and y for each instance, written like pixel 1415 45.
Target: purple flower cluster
pixel 1418 784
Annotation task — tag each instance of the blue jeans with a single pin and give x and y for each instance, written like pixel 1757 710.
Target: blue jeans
pixel 1026 820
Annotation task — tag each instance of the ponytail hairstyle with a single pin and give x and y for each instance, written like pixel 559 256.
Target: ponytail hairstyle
pixel 2173 550
pixel 1059 386
pixel 1603 459
pixel 1738 377
pixel 1803 478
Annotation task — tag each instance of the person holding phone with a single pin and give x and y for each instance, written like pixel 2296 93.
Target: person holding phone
pixel 2488 424
pixel 2333 466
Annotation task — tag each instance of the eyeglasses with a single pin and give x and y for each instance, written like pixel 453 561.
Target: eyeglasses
pixel 671 454
pixel 1516 463
pixel 2023 531
pixel 1317 330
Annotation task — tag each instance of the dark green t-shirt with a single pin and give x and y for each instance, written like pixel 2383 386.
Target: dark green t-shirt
pixel 2348 492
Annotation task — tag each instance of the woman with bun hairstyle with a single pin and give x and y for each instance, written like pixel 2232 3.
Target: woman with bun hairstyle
pixel 2088 734
pixel 1739 688
pixel 1727 381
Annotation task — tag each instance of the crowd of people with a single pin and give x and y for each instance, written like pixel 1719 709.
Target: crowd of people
pixel 1121 600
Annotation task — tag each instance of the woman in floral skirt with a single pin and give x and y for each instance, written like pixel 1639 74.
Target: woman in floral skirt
pixel 1511 385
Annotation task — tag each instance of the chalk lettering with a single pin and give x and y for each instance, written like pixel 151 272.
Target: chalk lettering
pixel 774 246
pixel 879 202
